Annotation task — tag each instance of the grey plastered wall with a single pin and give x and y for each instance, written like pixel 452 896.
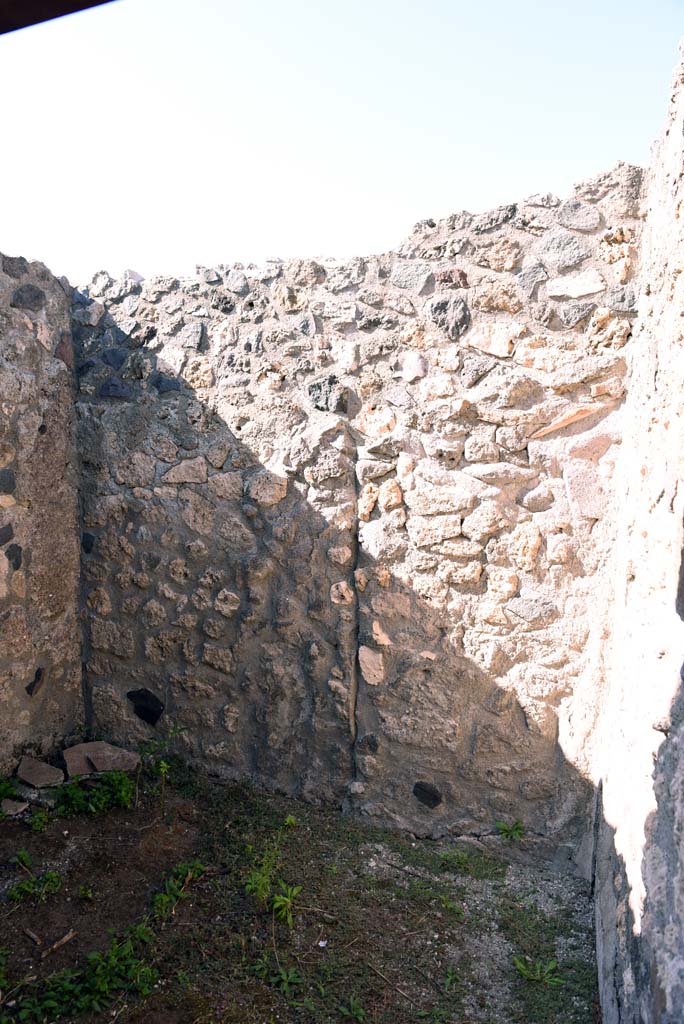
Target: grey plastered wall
pixel 40 637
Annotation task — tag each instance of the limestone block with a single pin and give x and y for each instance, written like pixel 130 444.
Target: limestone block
pixel 341 593
pixel 389 495
pixel 227 486
pixel 575 286
pixel 267 488
pixel 372 665
pixel 413 276
pixel 495 337
pixel 533 609
pixel 584 490
pixel 424 531
pixel 190 471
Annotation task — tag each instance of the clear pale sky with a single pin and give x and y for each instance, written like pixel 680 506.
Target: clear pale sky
pixel 157 134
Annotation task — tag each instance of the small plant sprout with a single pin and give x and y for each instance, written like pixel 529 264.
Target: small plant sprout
pixel 22 859
pixel 36 887
pixel 353 1010
pixel 286 980
pixel 284 901
pixel 163 768
pixel 538 972
pixel 290 821
pixel 165 902
pixel 450 979
pixel 260 879
pixel 39 819
pixel 452 907
pixel 85 892
pixel 513 831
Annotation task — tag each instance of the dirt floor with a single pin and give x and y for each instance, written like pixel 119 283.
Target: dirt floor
pixel 259 909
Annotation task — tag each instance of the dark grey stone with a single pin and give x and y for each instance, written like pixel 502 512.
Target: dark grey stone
pixel 88 542
pixel 222 302
pixel 6 533
pixel 529 278
pixel 451 315
pixel 13 555
pixel 563 251
pixel 163 383
pixel 621 299
pixel 427 794
pixel 494 218
pixel 368 744
pixel 115 357
pixel 328 395
pixel 572 313
pixel 114 388
pixel 8 481
pixel 28 296
pixel 579 216
pixel 14 266
pixel 85 367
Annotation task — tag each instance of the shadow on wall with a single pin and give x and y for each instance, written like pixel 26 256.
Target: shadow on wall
pixel 219 602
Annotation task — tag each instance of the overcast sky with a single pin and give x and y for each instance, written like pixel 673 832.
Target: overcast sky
pixel 157 134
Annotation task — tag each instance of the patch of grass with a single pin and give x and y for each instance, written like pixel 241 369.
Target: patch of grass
pixel 123 967
pixel 474 864
pixel 545 985
pixel 22 858
pixel 538 971
pixel 37 887
pixel 39 819
pixel 4 980
pixel 8 789
pixel 72 993
pixel 165 902
pixel 286 980
pixel 353 1010
pixel 112 789
pixel 259 881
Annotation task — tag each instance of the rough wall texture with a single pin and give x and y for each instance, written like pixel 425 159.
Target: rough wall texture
pixel 404 533
pixel 40 663
pixel 637 747
pixel 343 521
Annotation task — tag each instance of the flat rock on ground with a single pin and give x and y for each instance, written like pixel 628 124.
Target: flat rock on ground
pixel 39 774
pixel 98 756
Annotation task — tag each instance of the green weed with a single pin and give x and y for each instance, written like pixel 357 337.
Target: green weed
pixel 286 980
pixel 353 1010
pixel 39 819
pixel 475 864
pixel 284 901
pixel 36 887
pixel 513 832
pixel 538 971
pixel 450 978
pixel 259 881
pixel 165 902
pixel 113 789
pixel 70 993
